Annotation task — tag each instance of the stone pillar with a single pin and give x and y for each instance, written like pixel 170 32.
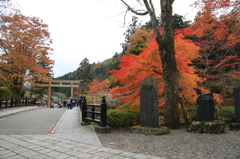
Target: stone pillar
pixel 236 91
pixel 149 115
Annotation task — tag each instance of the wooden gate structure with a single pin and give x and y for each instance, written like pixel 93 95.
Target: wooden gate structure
pixel 61 83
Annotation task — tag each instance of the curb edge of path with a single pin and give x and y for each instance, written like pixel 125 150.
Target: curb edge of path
pixel 17 112
pixel 55 127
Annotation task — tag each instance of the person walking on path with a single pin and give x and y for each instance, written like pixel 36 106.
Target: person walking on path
pixel 73 102
pixel 69 103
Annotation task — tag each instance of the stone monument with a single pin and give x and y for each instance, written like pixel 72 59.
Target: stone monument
pixel 205 120
pixel 205 107
pixel 149 113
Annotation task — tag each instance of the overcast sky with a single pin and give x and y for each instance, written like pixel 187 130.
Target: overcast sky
pixel 91 29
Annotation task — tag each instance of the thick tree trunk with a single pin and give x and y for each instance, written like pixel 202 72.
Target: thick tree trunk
pixel 170 75
pixel 167 54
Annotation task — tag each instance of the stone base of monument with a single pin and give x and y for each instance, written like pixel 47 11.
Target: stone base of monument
pixel 100 129
pixel 234 126
pixel 150 130
pixel 208 127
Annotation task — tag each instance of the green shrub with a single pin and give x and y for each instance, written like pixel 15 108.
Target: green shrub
pixel 226 113
pixel 122 118
pixel 234 126
pixel 187 112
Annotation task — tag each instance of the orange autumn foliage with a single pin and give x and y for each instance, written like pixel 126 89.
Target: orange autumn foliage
pixel 99 88
pixel 148 64
pixel 25 49
pixel 220 33
pixel 217 23
pixel 217 32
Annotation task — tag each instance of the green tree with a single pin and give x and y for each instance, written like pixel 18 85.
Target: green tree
pixel 4 93
pixel 137 41
pixel 148 24
pixel 130 31
pixel 113 65
pixel 100 70
pixel 85 74
pixel 179 23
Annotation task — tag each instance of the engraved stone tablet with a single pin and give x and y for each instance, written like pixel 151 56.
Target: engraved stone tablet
pixel 149 115
pixel 205 107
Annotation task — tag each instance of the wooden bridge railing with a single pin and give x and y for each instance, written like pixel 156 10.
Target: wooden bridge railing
pixel 10 103
pixel 94 113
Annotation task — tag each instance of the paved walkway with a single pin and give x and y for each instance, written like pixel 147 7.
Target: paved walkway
pixel 68 140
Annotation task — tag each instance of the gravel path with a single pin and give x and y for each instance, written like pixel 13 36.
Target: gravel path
pixel 178 144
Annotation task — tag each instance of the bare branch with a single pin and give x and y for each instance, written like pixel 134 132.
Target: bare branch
pixel 154 20
pixel 137 12
pixel 151 5
pixel 125 18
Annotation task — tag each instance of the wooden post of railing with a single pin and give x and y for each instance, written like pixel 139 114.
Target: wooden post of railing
pixel 26 101
pixel 11 102
pixel 102 127
pixel 103 115
pixel 6 103
pixel 16 102
pixel 84 107
pixel 0 103
pixel 93 110
pixel 34 102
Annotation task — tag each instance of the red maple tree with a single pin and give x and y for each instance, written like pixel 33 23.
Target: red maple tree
pixel 216 31
pixel 133 69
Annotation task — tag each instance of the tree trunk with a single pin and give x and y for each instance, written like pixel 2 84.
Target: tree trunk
pixel 167 54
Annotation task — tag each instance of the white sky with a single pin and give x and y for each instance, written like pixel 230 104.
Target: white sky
pixel 91 29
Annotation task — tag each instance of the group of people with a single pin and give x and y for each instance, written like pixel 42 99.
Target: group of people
pixel 72 102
